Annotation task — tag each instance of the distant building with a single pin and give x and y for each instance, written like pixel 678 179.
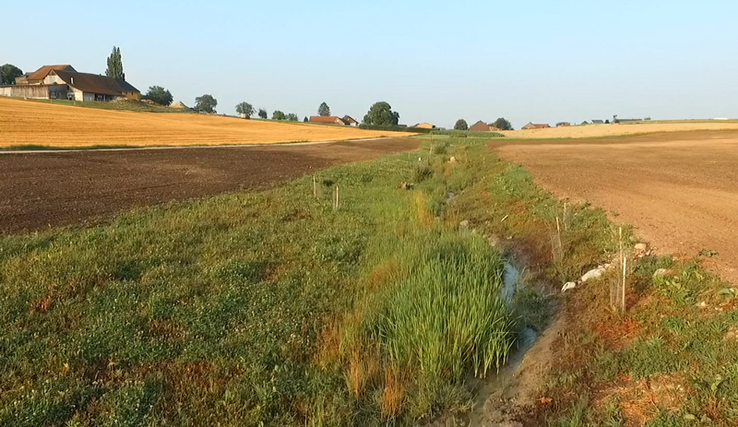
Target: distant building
pixel 480 126
pixel 424 126
pixel 350 121
pixel 563 124
pixel 334 120
pixel 536 126
pixel 64 82
pixel 598 122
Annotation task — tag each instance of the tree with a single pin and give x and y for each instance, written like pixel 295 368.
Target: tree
pixel 324 110
pixel 292 117
pixel 205 104
pixel 381 114
pixel 159 95
pixel 305 120
pixel 607 122
pixel 502 124
pixel 278 115
pixel 461 124
pixel 8 74
pixel 263 113
pixel 115 65
pixel 245 109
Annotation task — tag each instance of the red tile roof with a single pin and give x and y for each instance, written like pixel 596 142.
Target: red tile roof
pixel 327 119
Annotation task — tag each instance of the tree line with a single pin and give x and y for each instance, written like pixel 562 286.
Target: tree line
pixel 379 114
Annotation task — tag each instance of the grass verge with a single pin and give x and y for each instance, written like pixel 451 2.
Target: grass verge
pixel 273 308
pixel 289 307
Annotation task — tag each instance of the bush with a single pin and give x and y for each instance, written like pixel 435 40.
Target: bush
pixel 397 128
pixel 466 133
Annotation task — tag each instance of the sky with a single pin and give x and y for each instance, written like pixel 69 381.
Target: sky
pixel 433 61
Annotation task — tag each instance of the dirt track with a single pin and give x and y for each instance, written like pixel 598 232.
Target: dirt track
pixel 680 190
pixel 53 189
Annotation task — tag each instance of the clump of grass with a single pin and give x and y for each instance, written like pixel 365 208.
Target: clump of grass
pixel 439 148
pixel 454 292
pixel 422 172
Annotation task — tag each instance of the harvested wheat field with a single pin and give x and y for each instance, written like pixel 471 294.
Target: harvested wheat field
pixel 598 131
pixel 35 123
pixel 680 190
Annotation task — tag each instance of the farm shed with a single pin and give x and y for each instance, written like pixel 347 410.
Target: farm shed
pixel 350 121
pixel 480 126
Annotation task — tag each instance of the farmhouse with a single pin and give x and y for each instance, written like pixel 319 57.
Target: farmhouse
pixel 598 122
pixel 333 120
pixel 64 82
pixel 480 126
pixel 536 126
pixel 350 121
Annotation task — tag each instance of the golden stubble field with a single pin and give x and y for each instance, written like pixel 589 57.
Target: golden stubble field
pixel 36 123
pixel 599 131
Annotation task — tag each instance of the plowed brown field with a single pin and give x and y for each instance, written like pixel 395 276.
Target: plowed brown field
pixel 680 189
pixel 44 189
pixel 36 123
pixel 598 131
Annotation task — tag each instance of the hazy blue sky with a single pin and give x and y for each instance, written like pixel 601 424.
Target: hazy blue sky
pixel 540 61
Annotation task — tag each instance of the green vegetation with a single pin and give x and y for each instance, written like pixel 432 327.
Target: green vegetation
pixel 245 109
pixel 461 124
pixel 381 114
pixel 205 104
pixel 324 110
pixel 121 105
pixel 502 124
pixel 673 356
pixel 269 307
pixel 8 74
pixel 395 128
pixel 159 95
pixel 115 65
pixel 263 114
pixel 466 134
pixel 284 308
pixel 279 115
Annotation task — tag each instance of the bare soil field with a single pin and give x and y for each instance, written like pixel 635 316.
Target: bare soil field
pixel 598 131
pixel 36 123
pixel 38 190
pixel 680 190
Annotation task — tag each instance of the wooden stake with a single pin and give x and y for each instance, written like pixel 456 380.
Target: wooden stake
pixel 315 187
pixel 622 295
pixel 558 233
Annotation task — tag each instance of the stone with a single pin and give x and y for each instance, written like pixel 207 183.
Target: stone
pixel 640 250
pixel 593 274
pixel 464 224
pixel 568 286
pixel 452 159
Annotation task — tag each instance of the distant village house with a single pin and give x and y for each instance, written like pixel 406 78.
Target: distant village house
pixel 480 126
pixel 536 126
pixel 334 120
pixel 64 82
